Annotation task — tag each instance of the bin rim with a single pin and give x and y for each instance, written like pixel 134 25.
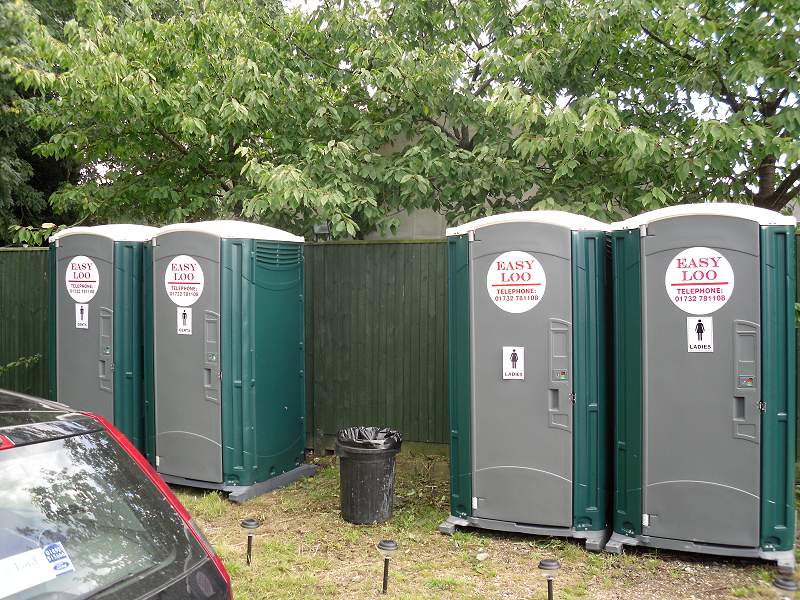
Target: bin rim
pixel 366 451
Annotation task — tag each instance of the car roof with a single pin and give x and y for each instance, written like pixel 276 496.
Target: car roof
pixel 27 419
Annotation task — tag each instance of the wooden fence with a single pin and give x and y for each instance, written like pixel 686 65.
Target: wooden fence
pixel 376 326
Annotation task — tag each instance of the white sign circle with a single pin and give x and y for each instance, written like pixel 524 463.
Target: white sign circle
pixel 699 280
pixel 82 279
pixel 184 280
pixel 516 281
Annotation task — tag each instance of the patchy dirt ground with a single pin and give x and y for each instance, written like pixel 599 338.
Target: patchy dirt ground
pixel 304 549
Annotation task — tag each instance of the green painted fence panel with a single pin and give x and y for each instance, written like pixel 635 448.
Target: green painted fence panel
pixel 24 319
pixel 376 339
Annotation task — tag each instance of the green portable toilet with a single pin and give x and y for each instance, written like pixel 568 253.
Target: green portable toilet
pixel 96 307
pixel 528 375
pixel 228 395
pixel 704 347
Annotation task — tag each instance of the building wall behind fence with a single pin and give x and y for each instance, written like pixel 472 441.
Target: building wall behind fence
pixel 376 332
pixel 23 318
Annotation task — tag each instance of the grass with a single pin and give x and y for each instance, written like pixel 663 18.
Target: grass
pixel 304 550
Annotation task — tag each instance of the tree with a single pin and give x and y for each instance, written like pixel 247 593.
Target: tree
pixel 703 97
pixel 172 112
pixel 26 179
pixel 364 109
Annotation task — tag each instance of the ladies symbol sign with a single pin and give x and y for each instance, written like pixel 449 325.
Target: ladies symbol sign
pixel 184 280
pixel 516 281
pixel 699 280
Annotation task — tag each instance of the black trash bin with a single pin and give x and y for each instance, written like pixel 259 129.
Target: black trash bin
pixel 366 472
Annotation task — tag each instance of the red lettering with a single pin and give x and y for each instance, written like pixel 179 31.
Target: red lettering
pixel 515 277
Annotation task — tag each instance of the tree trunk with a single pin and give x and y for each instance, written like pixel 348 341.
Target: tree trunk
pixel 765 197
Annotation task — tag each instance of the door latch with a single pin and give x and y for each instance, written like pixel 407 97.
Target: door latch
pixel 762 406
pixel 572 397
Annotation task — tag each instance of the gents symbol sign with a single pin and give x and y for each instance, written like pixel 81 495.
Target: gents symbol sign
pixel 699 280
pixel 516 281
pixel 184 280
pixel 82 279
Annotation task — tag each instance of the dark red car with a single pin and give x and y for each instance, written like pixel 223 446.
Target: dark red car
pixel 83 515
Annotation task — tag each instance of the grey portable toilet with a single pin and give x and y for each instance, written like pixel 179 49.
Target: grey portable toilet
pixel 228 394
pixel 704 330
pixel 96 308
pixel 527 375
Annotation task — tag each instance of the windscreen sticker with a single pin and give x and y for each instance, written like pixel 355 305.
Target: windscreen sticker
pixel 699 280
pixel 516 281
pixel 184 280
pixel 58 559
pixel 82 279
pixel 23 571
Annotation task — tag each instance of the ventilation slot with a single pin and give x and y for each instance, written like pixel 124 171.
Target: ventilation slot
pixel 278 254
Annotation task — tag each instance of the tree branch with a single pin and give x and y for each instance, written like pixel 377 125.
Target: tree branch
pixel 228 183
pixel 727 96
pixel 726 93
pixel 784 193
pixel 289 40
pixel 482 87
pixel 442 128
pixel 171 139
pixel 661 42
pixel 458 24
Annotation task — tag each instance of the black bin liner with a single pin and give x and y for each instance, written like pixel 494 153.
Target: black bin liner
pixel 379 438
pixel 366 472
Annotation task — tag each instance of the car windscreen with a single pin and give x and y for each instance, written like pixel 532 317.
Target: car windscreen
pixel 78 518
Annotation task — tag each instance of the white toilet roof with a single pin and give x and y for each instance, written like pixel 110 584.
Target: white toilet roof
pixel 559 218
pixel 724 209
pixel 117 232
pixel 233 230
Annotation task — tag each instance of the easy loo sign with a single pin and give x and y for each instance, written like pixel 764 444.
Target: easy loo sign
pixel 699 280
pixel 516 281
pixel 82 279
pixel 184 280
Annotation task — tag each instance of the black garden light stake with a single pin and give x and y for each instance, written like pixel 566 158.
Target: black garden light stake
pixel 387 548
pixel 250 524
pixel 549 567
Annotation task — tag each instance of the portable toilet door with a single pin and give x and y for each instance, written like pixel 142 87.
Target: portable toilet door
pixel 527 375
pixel 96 306
pixel 227 327
pixel 703 302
